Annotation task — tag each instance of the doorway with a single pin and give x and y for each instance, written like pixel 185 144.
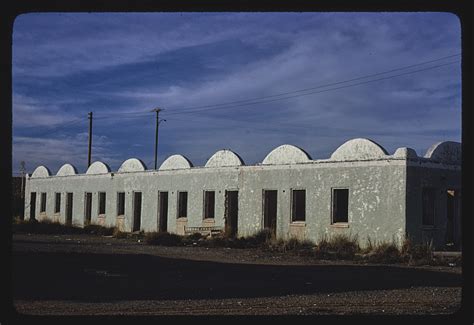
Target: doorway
pixel 163 211
pixel 137 210
pixel 87 208
pixel 231 212
pixel 68 209
pixel 270 210
pixel 452 209
pixel 33 206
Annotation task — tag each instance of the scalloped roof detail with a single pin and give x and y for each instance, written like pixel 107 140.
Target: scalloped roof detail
pixel 359 149
pixel 447 152
pixel 286 154
pixel 98 167
pixel 176 162
pixel 405 152
pixel 66 170
pixel 132 165
pixel 41 171
pixel 224 158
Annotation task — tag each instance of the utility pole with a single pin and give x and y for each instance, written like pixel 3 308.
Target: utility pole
pixel 22 170
pixel 90 139
pixel 157 110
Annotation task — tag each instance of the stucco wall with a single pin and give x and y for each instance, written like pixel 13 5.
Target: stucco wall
pixel 440 177
pixel 376 196
pixel 384 190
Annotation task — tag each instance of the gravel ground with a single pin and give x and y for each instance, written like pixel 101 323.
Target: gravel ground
pixel 94 275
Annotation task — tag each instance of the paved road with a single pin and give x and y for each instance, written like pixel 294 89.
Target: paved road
pixel 91 275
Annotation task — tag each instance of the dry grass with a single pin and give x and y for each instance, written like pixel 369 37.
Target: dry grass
pixel 337 247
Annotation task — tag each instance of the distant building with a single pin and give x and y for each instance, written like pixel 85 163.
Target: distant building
pixel 360 190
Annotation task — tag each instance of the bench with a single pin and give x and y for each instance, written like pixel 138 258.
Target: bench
pixel 205 231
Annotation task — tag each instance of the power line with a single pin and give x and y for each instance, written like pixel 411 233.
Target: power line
pixel 67 124
pixel 306 94
pixel 323 85
pixel 146 113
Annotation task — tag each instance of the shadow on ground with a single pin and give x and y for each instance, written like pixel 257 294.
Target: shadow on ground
pixel 108 277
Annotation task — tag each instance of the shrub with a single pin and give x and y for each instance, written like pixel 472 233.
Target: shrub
pixel 291 245
pixel 117 233
pixel 99 230
pixel 385 253
pixel 417 253
pixel 338 246
pixel 163 239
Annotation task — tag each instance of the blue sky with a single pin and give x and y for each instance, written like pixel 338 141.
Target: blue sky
pixel 120 66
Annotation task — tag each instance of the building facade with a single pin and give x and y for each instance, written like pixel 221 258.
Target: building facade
pixel 360 191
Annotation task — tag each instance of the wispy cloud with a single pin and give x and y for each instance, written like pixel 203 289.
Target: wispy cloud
pixel 65 65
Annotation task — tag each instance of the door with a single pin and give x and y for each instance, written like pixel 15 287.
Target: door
pixel 163 211
pixel 452 208
pixel 270 210
pixel 231 212
pixel 33 206
pixel 88 208
pixel 69 209
pixel 137 210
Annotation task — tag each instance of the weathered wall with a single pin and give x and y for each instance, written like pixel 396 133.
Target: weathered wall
pixel 376 196
pixel 384 194
pixel 441 177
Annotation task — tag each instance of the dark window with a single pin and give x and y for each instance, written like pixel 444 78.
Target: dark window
pixel 298 210
pixel 340 205
pixel 428 206
pixel 43 202
pixel 209 204
pixel 182 204
pixel 57 203
pixel 101 202
pixel 120 203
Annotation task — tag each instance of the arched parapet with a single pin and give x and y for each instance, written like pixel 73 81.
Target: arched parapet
pixel 132 165
pixel 286 154
pixel 41 171
pixel 66 170
pixel 224 158
pixel 98 167
pixel 176 162
pixel 359 149
pixel 446 152
pixel 405 152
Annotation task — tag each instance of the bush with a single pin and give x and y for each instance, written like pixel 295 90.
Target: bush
pixel 417 253
pixel 163 239
pixel 338 246
pixel 99 230
pixel 385 253
pixel 43 227
pixel 291 245
pixel 117 233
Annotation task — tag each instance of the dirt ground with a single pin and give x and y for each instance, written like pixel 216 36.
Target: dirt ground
pixel 93 275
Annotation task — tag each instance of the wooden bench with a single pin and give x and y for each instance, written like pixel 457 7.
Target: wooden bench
pixel 205 231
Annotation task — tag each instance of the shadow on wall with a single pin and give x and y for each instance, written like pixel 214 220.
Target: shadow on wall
pixel 104 277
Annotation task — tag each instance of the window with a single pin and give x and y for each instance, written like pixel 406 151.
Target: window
pixel 43 202
pixel 182 204
pixel 340 205
pixel 298 206
pixel 57 203
pixel 209 204
pixel 101 202
pixel 120 203
pixel 428 198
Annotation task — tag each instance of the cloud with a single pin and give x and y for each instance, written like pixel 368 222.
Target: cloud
pixel 135 62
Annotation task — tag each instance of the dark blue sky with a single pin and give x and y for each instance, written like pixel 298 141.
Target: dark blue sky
pixel 120 66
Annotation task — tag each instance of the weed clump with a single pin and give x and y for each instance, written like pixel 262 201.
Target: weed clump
pixel 337 247
pixel 163 238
